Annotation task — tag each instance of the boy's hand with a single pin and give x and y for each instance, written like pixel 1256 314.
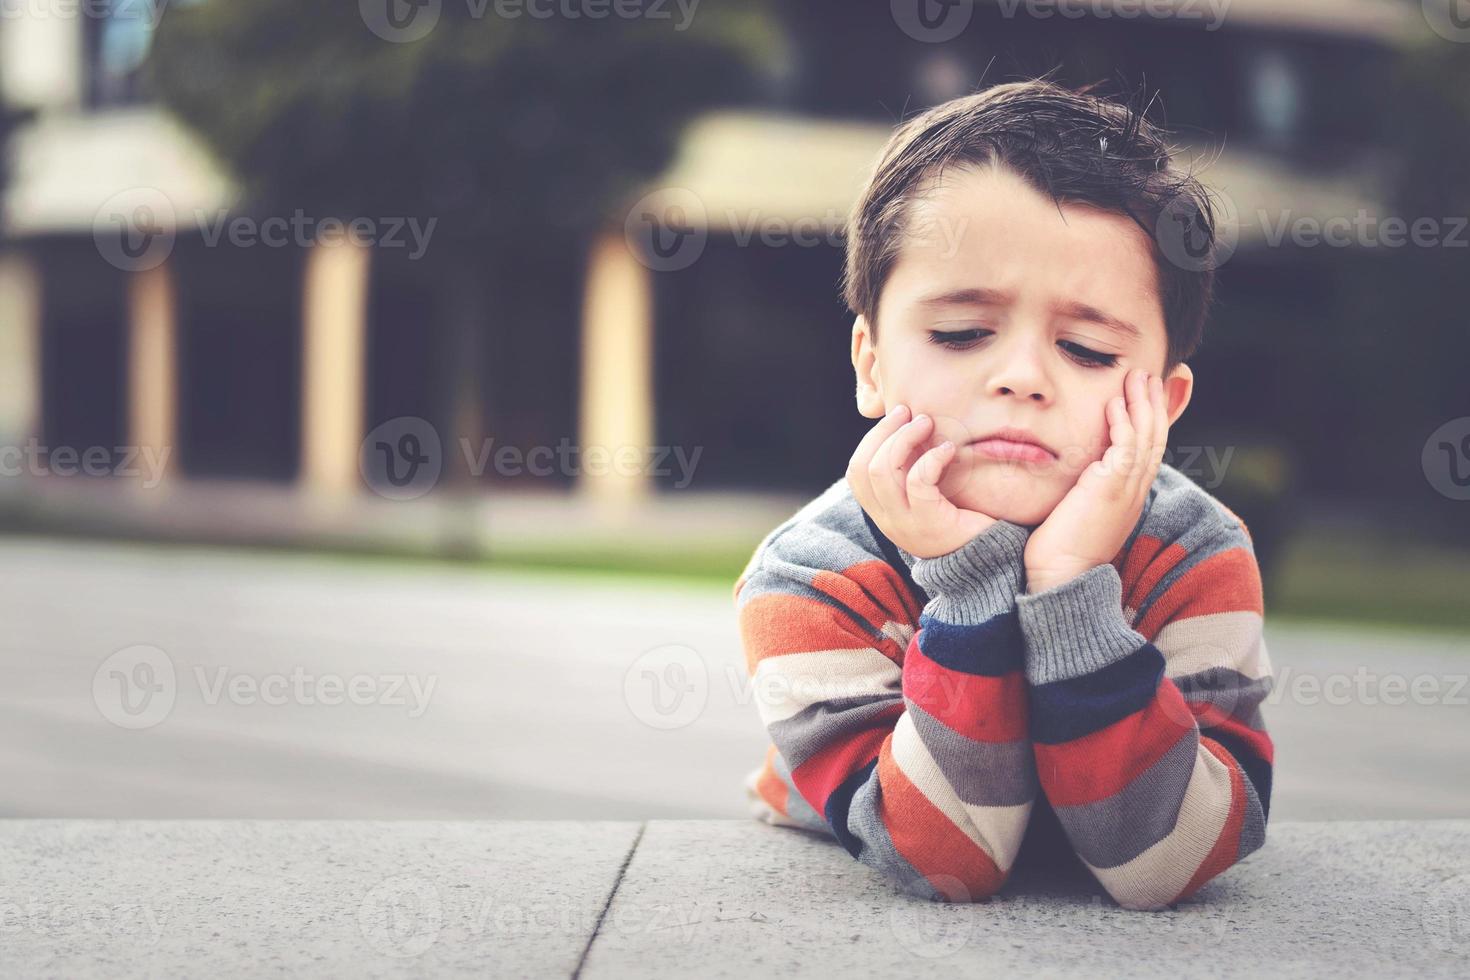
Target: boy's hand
pixel 905 501
pixel 1092 522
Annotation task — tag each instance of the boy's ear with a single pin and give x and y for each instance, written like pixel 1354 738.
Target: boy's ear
pixel 865 366
pixel 1178 387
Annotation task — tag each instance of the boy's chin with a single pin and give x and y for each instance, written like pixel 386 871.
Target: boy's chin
pixel 1006 494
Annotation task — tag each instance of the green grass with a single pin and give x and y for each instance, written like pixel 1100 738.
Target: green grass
pixel 1374 580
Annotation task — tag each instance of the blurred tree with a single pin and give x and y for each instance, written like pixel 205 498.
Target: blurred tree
pixel 11 119
pixel 1413 319
pixel 519 133
pixel 495 124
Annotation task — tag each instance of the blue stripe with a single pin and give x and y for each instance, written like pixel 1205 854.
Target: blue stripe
pixel 839 803
pixel 1256 769
pixel 992 649
pixel 1065 710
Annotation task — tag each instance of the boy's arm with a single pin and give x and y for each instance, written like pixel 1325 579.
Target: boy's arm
pixel 1154 754
pixel 913 750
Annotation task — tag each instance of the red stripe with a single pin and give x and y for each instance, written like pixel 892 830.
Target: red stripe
pixel 944 854
pixel 1259 742
pixel 818 776
pixel 1105 762
pixel 873 593
pixel 1225 582
pixel 778 623
pixel 770 785
pixel 986 709
pixel 1145 566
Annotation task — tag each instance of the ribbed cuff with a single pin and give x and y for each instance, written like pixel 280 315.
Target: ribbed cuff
pixel 977 580
pixel 1077 627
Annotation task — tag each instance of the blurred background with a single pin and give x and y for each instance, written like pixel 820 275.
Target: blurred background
pixel 393 391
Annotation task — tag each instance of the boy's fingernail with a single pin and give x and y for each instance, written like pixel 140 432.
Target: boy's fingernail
pixel 898 410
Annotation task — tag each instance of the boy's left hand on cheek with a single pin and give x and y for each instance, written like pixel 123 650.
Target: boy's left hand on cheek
pixel 1092 522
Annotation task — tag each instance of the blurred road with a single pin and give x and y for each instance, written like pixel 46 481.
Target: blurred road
pixel 158 682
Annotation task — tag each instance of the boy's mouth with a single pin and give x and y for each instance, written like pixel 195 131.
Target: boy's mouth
pixel 1012 444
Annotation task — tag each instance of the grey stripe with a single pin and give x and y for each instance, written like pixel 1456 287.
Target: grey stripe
pixel 818 725
pixel 1118 828
pixel 1253 830
pixel 982 773
pixel 1226 689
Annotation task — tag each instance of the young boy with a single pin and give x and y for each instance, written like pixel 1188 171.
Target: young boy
pixel 1011 632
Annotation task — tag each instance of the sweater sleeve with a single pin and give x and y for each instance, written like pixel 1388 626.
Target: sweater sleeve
pixel 1153 752
pixel 910 748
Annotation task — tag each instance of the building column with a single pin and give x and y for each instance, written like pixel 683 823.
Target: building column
pixel 152 366
pixel 617 404
pixel 333 389
pixel 20 348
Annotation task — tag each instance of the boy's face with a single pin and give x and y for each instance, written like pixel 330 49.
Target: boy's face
pixel 1038 302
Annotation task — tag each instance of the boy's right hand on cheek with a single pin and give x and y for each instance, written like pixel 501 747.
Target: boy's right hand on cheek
pixel 904 500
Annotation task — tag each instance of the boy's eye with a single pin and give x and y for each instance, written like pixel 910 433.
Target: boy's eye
pixel 956 339
pixel 963 339
pixel 1086 356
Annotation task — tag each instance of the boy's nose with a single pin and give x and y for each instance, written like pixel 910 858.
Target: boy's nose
pixel 1020 373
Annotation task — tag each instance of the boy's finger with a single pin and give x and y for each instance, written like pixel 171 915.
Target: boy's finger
pixel 857 468
pixel 878 434
pixel 1120 431
pixel 1140 416
pixel 889 466
pixel 1161 419
pixel 923 479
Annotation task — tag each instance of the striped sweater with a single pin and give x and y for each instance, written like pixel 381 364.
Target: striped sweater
pixel 943 725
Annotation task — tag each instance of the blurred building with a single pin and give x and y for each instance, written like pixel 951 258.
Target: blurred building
pixel 266 367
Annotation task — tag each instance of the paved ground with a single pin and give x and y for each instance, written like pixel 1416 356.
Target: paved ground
pixel 523 696
pixel 682 898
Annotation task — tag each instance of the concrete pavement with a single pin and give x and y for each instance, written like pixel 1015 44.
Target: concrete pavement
pixel 689 898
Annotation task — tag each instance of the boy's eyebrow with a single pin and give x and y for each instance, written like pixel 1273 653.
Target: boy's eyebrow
pixel 1091 314
pixel 973 296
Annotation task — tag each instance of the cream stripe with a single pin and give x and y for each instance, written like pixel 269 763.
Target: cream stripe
pixel 1227 639
pixel 786 684
pixel 996 830
pixel 1160 873
pixel 899 633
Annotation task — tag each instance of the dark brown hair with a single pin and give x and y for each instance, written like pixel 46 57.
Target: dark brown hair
pixel 1076 147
